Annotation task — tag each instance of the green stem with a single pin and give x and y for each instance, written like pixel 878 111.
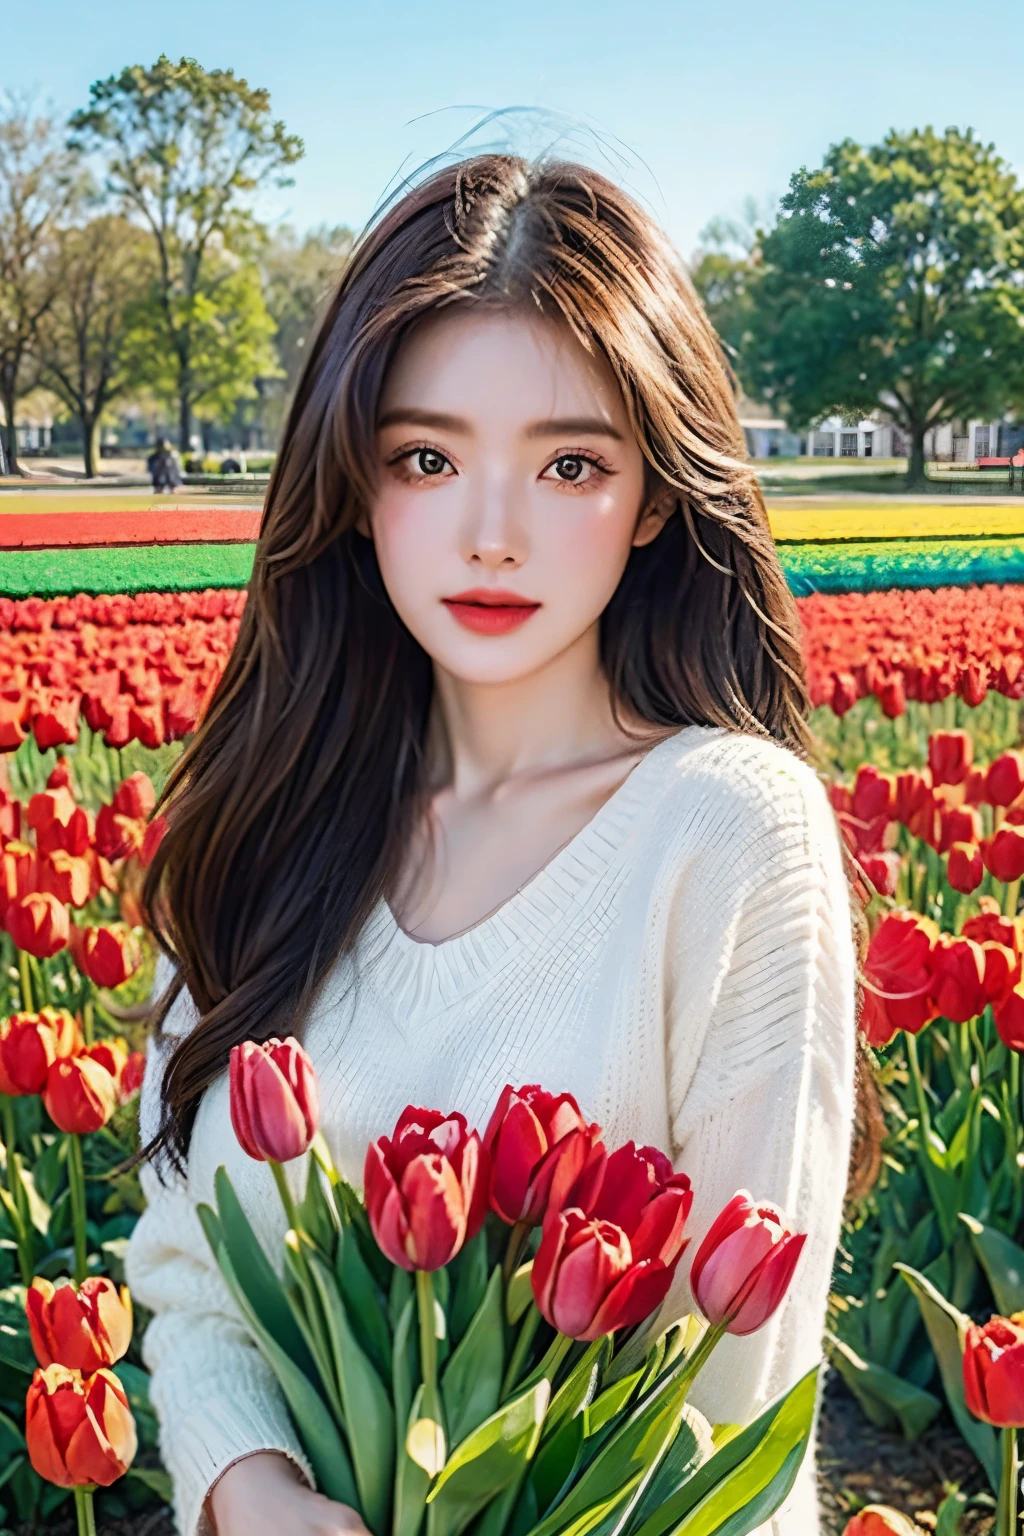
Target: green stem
pixel 548 1367
pixel 924 1137
pixel 85 1511
pixel 26 1259
pixel 516 1243
pixel 79 1216
pixel 26 984
pixel 528 1328
pixel 709 1339
pixel 284 1190
pixel 88 1032
pixel 1011 897
pixel 427 1308
pixel 1006 1519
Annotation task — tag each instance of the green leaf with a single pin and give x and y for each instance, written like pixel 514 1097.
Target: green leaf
pixel 362 1301
pixel 947 1522
pixel 155 1479
pixel 38 1209
pixel 888 1400
pixel 487 1461
pixel 1003 1262
pixel 471 1383
pixel 400 1289
pixel 470 1283
pixel 369 1418
pixel 634 1448
pixel 405 1362
pixel 604 1408
pixel 411 1482
pixel 579 1388
pixel 606 1515
pixel 254 1273
pixel 15 1340
pixel 691 1448
pixel 316 1216
pixel 946 1328
pixel 749 1505
pixel 555 1462
pixel 783 1427
pixel 519 1293
pixel 320 1437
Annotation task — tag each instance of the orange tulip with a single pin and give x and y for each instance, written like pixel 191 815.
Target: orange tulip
pixel 108 955
pixel 29 1045
pixel 80 1094
pixel 79 1430
pixel 38 923
pixel 82 1328
pixel 880 1520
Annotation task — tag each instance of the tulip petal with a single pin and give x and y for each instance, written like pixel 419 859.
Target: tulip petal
pixel 640 1292
pixel 728 1219
pixel 1004 1388
pixel 767 1286
pixel 437 1215
pixel 591 1264
pixel 516 1151
pixel 659 1234
pixel 554 1235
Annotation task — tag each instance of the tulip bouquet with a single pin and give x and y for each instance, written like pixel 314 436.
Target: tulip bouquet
pixel 472 1344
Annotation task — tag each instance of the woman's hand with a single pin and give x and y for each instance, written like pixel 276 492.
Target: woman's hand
pixel 264 1495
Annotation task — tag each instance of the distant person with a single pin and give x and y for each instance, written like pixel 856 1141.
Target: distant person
pixel 163 467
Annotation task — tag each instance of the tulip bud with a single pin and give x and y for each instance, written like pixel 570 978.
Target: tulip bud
pixel 112 1054
pixel 880 1520
pixel 38 923
pixel 108 955
pixel 964 868
pixel 425 1188
pixel 950 755
pixel 874 793
pixel 117 835
pixel 60 775
pixel 994 1372
pixel 132 1075
pixel 892 696
pixel 135 797
pixel 913 795
pixel 30 1043
pixel 958 824
pixel 275 1107
pixel 79 1430
pixel 844 693
pixel 990 924
pixel 898 972
pixel 543 1155
pixel 883 871
pixel 743 1267
pixel 80 1095
pixel 1004 782
pixel 152 840
pixel 1008 1013
pixel 83 1328
pixel 1004 853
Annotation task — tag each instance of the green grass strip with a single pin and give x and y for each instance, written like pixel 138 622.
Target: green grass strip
pixel 138 568
pixel 863 566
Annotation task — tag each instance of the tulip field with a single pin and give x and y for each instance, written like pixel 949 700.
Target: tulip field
pixel 915 661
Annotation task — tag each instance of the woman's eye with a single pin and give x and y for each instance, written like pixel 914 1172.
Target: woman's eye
pixel 429 462
pixel 572 469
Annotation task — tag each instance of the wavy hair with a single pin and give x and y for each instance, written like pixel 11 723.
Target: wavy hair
pixel 290 809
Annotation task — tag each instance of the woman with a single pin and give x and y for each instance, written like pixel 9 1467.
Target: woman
pixel 502 784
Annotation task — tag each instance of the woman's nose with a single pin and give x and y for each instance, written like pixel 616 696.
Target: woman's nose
pixel 494 531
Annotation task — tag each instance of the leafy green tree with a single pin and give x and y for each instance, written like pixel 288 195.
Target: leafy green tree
pixel 102 269
pixel 299 275
pixel 186 150
pixel 230 341
pixel 725 268
pixel 892 279
pixel 40 187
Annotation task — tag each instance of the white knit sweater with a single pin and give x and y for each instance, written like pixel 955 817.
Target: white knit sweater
pixel 683 966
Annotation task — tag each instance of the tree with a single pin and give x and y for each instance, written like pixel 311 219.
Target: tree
pixel 892 279
pixel 40 184
pixel 230 340
pixel 187 148
pixel 724 269
pixel 299 275
pixel 103 269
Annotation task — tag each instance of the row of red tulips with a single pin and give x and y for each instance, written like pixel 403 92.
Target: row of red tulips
pixel 923 646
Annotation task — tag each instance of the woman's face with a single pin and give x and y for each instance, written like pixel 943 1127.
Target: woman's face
pixel 508 475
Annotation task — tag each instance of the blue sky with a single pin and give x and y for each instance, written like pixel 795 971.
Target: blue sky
pixel 694 106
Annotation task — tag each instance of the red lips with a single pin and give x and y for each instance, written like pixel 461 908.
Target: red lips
pixel 490 610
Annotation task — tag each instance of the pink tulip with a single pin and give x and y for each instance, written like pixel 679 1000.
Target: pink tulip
pixel 275 1108
pixel 743 1267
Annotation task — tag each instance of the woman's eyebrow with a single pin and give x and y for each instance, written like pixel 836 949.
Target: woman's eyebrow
pixel 409 415
pixel 562 425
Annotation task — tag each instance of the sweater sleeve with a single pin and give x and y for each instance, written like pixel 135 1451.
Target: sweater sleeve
pixel 215 1397
pixel 769 1106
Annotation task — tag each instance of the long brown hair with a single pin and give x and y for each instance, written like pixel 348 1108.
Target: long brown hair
pixel 291 807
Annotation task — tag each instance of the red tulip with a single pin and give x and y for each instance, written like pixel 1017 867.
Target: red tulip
pixel 883 871
pixel 59 776
pixel 1008 1012
pixel 30 1043
pixel 844 693
pixel 950 755
pixel 66 876
pixel 275 1105
pixel 38 923
pixel 426 1188
pixel 898 974
pixel 974 683
pixel 80 1095
pixel 117 835
pixel 1004 782
pixel 83 1328
pixel 990 924
pixel 743 1267
pixel 154 837
pixel 958 972
pixel 880 1520
pixel 543 1155
pixel 79 1430
pixel 913 798
pixel 958 824
pixel 994 1373
pixel 132 1075
pixel 1004 853
pixel 135 797
pixel 112 1054
pixel 642 1194
pixel 874 793
pixel 1002 970
pixel 108 955
pixel 893 696
pixel 964 868
pixel 974 787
